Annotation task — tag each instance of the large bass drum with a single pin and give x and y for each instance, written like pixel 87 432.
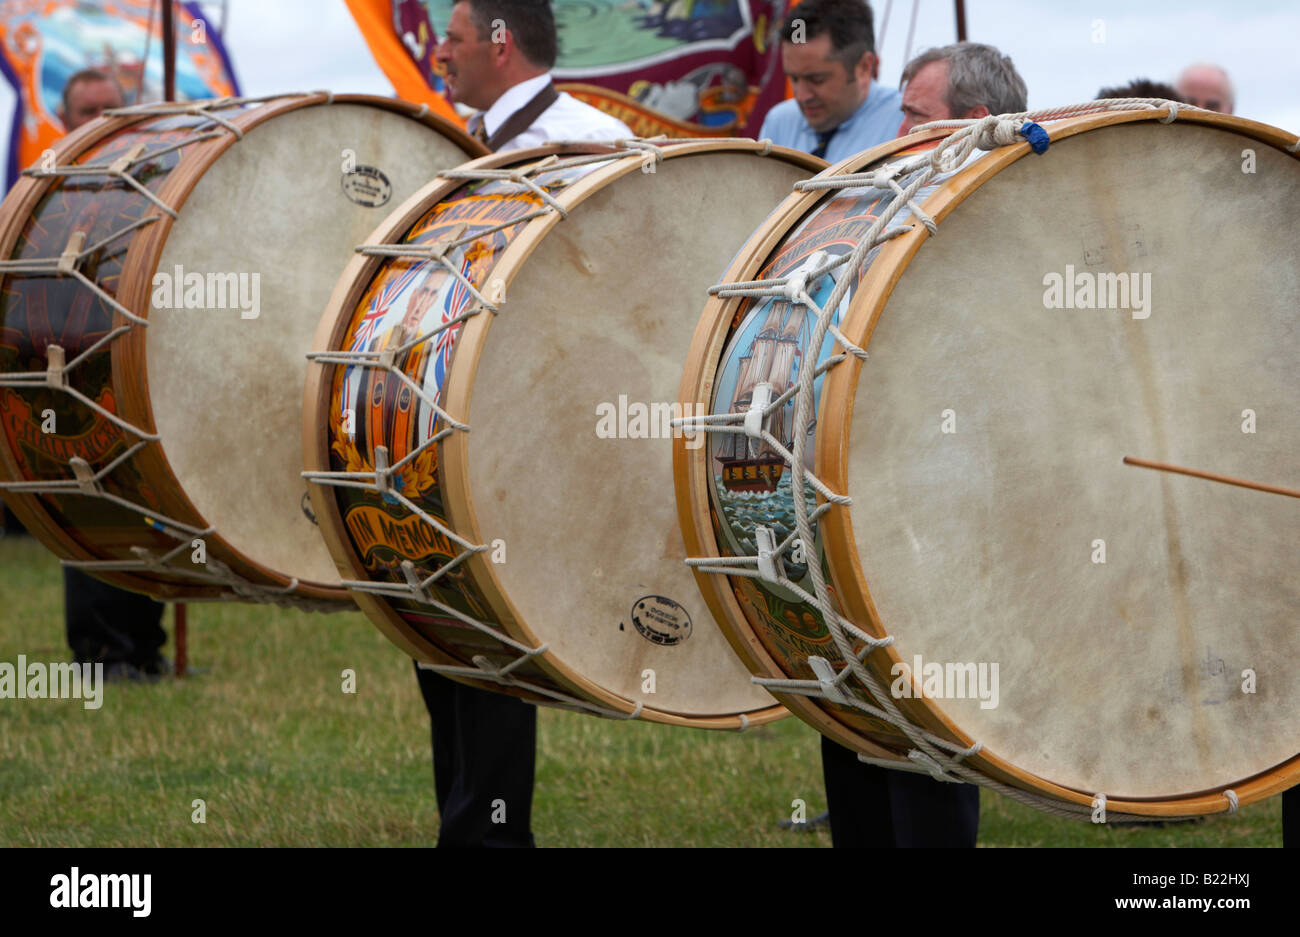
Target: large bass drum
pixel 490 422
pixel 1041 424
pixel 167 268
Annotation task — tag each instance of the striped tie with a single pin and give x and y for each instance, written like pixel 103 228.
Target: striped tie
pixel 823 141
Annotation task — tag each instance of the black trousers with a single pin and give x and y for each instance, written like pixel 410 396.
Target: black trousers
pixel 10 524
pixel 108 624
pixel 876 808
pixel 484 762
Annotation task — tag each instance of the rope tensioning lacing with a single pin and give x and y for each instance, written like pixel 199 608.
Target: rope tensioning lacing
pixel 649 151
pixel 207 108
pixel 85 481
pixel 951 154
pixel 382 479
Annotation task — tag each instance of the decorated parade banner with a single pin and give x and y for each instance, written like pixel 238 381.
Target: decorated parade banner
pixel 43 43
pixel 676 67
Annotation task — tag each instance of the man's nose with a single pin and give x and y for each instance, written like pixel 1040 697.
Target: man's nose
pixel 905 127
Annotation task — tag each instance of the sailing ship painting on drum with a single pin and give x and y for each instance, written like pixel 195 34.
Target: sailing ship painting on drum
pixel 771 359
pixel 752 482
pixel 768 345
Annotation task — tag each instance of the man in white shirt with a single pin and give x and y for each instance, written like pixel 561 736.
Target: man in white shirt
pixel 498 55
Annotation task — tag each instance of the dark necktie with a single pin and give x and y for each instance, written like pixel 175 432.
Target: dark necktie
pixel 823 141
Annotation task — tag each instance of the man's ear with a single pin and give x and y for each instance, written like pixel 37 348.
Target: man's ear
pixel 868 67
pixel 503 44
pixel 976 112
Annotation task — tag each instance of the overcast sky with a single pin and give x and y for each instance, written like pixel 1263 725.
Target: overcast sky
pixel 297 45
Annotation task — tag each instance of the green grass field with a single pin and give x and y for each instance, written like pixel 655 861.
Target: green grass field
pixel 282 757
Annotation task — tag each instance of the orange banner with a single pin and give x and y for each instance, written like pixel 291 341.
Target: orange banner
pixel 375 17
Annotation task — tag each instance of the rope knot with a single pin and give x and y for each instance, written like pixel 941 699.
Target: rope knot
pixel 993 132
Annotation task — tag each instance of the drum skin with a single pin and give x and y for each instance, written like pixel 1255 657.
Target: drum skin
pixel 982 444
pixel 584 557
pixel 221 389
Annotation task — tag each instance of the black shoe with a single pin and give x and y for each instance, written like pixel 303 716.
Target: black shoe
pixel 807 826
pixel 157 666
pixel 124 671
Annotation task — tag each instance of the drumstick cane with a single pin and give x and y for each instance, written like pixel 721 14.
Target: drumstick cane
pixel 1210 476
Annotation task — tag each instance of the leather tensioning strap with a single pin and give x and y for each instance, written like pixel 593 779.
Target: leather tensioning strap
pixel 523 118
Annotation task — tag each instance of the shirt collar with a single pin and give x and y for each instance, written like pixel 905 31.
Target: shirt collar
pixel 515 98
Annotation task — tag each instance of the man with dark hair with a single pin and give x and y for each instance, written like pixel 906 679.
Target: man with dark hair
pixel 828 51
pixel 1142 88
pixel 498 55
pixel 86 95
pixel 962 81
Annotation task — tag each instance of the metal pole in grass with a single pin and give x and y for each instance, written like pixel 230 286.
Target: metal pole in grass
pixel 169 94
pixel 181 642
pixel 169 51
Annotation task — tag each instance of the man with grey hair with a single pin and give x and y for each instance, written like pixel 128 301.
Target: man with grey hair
pixel 1207 86
pixel 961 81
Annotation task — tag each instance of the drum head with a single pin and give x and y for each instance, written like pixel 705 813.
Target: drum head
pixel 226 389
pixel 1143 624
pixel 570 457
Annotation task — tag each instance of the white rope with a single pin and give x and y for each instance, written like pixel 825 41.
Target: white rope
pixel 207 108
pixel 381 479
pixel 928 753
pixel 486 671
pixel 86 482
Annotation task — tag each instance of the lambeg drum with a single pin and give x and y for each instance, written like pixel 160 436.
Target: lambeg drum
pixel 167 268
pixel 490 421
pixel 1002 434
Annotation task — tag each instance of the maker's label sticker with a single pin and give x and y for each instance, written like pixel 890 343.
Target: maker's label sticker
pixel 367 186
pixel 661 620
